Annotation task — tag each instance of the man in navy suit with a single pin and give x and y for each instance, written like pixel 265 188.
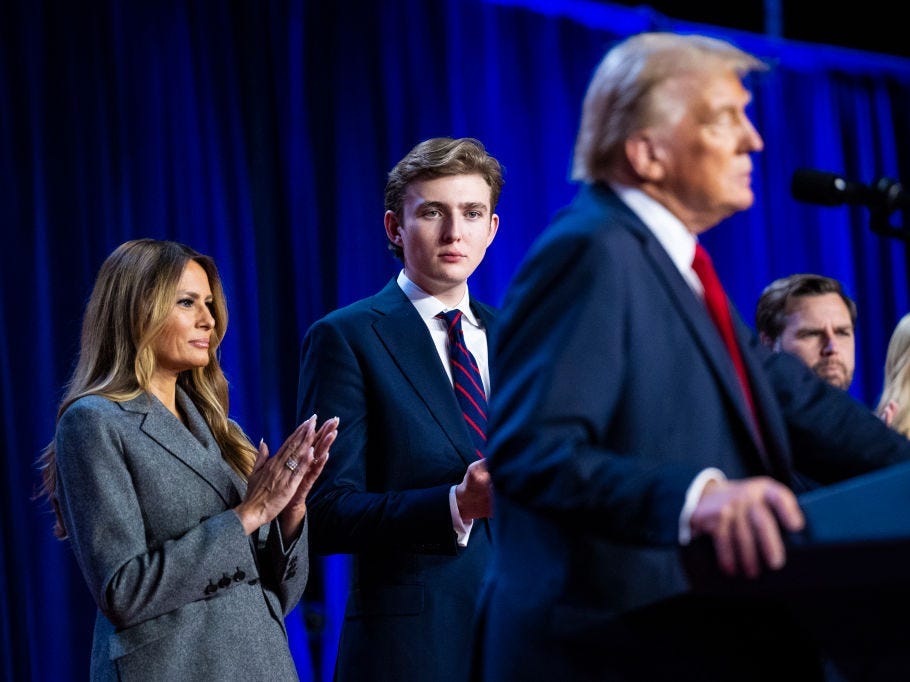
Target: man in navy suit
pixel 623 426
pixel 406 490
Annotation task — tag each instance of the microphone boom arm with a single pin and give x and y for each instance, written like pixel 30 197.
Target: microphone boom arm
pixel 830 189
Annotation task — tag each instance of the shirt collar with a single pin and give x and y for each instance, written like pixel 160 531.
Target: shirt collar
pixel 669 230
pixel 428 306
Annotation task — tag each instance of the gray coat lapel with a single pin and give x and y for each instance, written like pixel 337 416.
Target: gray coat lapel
pixel 408 342
pixel 193 444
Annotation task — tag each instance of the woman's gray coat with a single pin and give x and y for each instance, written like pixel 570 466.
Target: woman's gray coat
pixel 182 592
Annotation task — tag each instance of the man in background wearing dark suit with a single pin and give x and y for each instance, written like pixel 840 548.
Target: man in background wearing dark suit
pixel 634 410
pixel 811 317
pixel 406 490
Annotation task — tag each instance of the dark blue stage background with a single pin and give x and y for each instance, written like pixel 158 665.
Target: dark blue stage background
pixel 261 133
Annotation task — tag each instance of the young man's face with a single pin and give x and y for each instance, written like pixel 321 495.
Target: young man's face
pixel 445 227
pixel 819 331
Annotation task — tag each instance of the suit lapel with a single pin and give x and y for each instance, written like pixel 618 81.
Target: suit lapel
pixel 699 322
pixel 194 444
pixel 773 428
pixel 407 340
pixel 693 311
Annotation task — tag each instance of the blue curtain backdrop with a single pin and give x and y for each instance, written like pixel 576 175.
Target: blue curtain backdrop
pixel 261 133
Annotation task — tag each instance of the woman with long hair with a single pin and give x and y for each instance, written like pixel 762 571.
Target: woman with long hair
pixel 192 541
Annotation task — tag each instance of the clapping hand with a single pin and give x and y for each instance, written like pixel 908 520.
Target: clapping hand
pixel 275 481
pixel 474 495
pixel 292 515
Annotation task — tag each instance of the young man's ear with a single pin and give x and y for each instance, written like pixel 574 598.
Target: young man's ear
pixel 392 227
pixel 494 226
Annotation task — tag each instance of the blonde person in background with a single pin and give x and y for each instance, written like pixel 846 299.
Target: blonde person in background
pixel 192 542
pixel 894 404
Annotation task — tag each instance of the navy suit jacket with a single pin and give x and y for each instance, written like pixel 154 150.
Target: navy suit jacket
pixel 384 494
pixel 613 390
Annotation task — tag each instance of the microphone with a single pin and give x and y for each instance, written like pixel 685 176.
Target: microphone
pixel 830 189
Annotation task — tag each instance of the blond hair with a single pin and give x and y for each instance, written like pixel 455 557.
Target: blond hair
pixel 897 377
pixel 129 305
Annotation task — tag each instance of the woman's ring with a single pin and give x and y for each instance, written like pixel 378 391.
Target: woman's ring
pixel 291 464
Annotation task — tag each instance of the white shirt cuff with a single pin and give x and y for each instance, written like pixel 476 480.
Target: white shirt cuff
pixel 462 529
pixel 693 494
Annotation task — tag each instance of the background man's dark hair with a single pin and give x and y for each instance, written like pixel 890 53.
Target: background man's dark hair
pixel 771 311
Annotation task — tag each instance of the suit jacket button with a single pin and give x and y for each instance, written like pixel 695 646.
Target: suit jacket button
pixel 239 575
pixel 225 580
pixel 211 588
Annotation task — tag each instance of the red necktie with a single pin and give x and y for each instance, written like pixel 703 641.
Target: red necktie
pixel 716 300
pixel 466 381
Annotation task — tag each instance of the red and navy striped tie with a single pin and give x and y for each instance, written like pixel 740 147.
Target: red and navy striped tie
pixel 467 382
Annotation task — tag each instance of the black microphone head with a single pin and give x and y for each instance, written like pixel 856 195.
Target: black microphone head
pixel 891 194
pixel 827 189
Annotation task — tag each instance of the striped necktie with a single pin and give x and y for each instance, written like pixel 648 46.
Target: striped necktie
pixel 466 381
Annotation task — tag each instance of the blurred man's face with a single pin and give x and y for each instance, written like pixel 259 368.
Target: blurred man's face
pixel 820 332
pixel 704 165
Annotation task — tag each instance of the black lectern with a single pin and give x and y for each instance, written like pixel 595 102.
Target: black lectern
pixel 847 577
pixel 857 536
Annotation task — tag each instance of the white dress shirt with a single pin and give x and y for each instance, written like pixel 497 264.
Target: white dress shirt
pixel 475 337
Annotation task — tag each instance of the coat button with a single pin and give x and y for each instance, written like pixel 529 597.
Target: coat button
pixel 225 580
pixel 211 588
pixel 239 575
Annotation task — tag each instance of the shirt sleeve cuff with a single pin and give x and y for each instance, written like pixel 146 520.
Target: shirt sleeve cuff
pixel 462 529
pixel 693 494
